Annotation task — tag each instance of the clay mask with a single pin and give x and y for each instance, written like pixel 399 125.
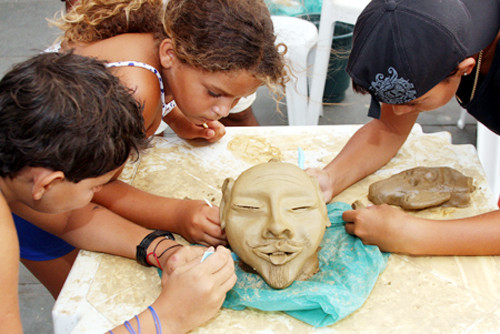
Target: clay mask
pixel 275 218
pixel 423 187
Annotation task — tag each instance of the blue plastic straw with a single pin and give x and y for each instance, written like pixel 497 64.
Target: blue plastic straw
pixel 301 157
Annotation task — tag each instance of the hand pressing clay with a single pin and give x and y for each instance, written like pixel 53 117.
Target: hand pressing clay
pixel 423 187
pixel 275 218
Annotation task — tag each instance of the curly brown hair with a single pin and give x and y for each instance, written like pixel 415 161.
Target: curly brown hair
pixel 213 35
pixel 95 20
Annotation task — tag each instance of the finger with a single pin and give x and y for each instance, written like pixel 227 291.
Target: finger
pixel 187 253
pixel 349 228
pixel 208 240
pixel 214 230
pixel 226 274
pixel 229 282
pixel 348 215
pixel 220 258
pixel 208 134
pixel 212 214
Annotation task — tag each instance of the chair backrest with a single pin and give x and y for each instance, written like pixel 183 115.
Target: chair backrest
pixel 331 11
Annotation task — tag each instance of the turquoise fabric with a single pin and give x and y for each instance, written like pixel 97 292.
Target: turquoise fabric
pixel 348 272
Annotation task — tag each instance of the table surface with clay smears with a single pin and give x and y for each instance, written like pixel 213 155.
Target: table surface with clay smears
pixel 413 295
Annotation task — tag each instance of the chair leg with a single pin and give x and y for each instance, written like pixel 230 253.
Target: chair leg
pixel 321 59
pixel 461 120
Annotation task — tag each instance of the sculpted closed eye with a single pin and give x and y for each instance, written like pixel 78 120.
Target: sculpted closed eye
pixel 302 208
pixel 247 207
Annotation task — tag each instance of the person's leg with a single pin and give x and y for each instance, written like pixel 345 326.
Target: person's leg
pixel 242 118
pixel 52 273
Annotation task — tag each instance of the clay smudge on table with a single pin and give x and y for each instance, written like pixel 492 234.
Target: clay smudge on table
pixel 423 187
pixel 253 149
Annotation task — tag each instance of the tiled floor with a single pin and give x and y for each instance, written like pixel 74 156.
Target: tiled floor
pixel 24 31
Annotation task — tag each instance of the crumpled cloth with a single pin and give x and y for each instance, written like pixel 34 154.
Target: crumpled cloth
pixel 348 272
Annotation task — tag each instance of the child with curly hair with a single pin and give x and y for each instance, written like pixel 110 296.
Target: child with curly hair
pixel 204 55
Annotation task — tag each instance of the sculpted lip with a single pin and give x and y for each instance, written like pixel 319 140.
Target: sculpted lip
pixel 277 253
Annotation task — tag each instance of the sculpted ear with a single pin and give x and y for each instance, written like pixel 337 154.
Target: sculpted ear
pixel 227 188
pixel 319 196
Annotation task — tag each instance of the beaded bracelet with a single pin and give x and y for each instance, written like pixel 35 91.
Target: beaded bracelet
pixel 141 255
pixel 156 319
pixel 138 324
pixel 129 327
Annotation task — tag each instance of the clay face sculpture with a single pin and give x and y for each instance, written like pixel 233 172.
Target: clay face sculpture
pixel 423 187
pixel 275 218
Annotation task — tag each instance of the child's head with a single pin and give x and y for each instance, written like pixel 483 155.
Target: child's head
pixel 211 35
pixel 225 35
pixel 404 49
pixel 215 52
pixel 66 113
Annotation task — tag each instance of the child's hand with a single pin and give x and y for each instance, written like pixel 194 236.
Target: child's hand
pixel 180 256
pixel 193 292
pixel 324 181
pixel 187 130
pixel 199 223
pixel 215 130
pixel 389 228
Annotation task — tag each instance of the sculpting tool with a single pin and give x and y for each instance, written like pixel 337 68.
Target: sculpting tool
pixel 208 253
pixel 301 157
pixel 205 255
pixel 208 203
pixel 205 125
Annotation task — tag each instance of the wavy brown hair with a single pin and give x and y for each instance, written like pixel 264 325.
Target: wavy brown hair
pixel 67 113
pixel 212 35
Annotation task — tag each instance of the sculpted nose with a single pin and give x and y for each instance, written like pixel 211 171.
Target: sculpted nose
pixel 277 228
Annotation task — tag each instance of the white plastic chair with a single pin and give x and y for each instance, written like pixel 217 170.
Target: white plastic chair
pixel 331 11
pixel 300 37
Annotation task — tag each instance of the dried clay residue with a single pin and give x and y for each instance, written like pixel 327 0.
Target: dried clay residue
pixel 253 149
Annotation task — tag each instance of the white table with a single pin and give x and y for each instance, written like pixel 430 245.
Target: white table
pixel 414 294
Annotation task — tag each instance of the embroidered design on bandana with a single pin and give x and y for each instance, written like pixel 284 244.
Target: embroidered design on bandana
pixel 391 89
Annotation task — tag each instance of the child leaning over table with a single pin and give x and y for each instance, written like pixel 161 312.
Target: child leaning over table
pixel 66 127
pixel 442 49
pixel 210 54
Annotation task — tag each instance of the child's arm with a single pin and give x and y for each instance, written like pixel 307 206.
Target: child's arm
pixel 394 230
pixel 193 219
pixel 10 319
pixel 370 148
pixel 192 292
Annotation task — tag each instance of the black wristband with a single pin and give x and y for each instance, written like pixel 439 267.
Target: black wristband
pixel 141 253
